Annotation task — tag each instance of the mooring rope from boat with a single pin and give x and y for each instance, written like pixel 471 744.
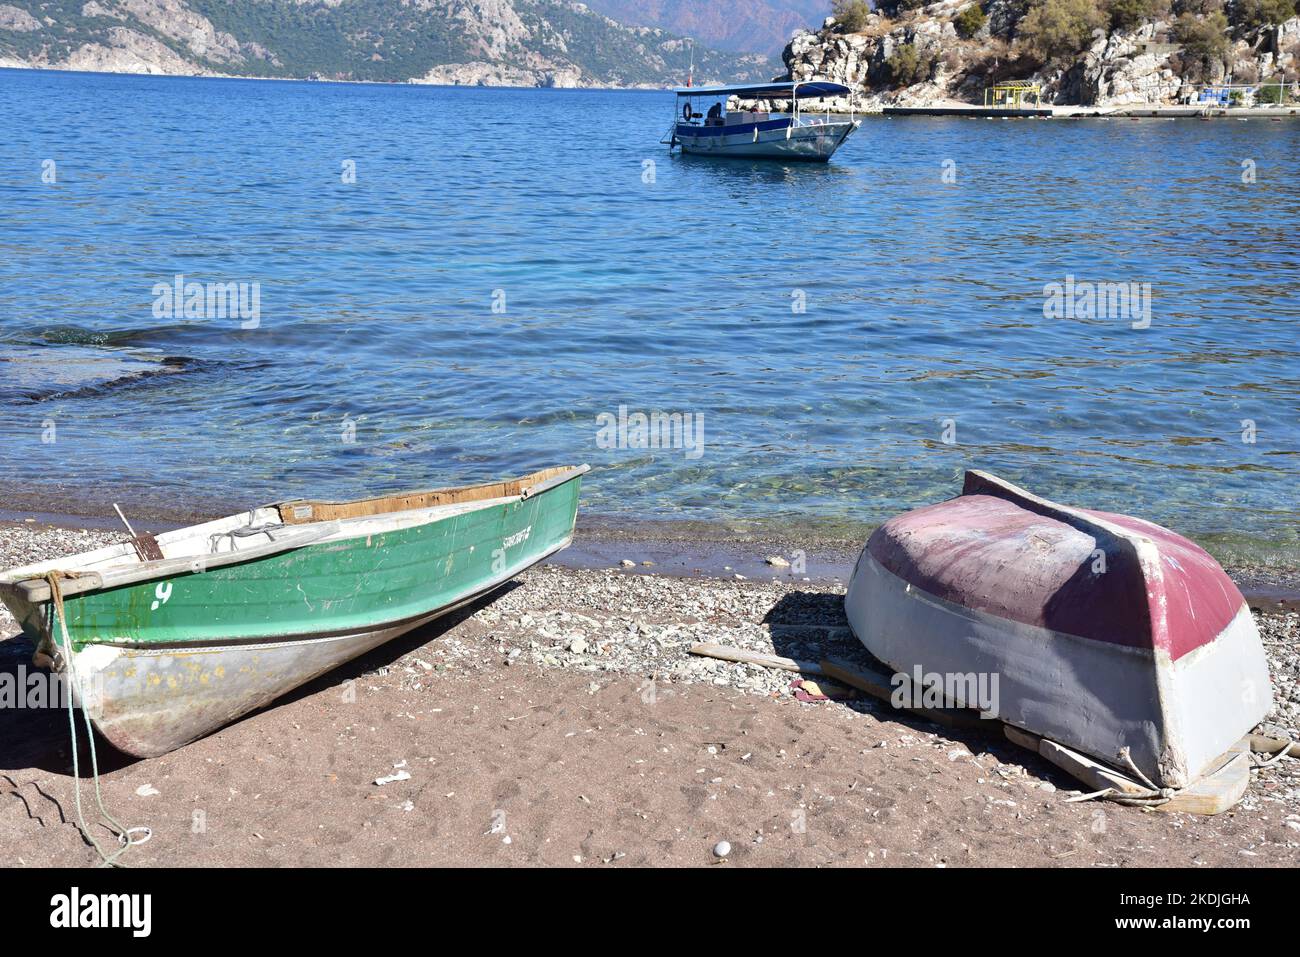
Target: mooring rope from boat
pixel 1127 757
pixel 1091 796
pixel 122 833
pixel 1148 799
pixel 1258 764
pixel 1152 797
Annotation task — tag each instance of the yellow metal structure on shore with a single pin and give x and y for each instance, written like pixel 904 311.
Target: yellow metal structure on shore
pixel 1013 95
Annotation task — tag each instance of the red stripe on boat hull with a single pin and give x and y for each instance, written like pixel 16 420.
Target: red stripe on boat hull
pixel 1200 598
pixel 1052 568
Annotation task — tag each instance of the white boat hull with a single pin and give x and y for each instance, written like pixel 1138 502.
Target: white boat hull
pixel 1099 697
pixel 814 142
pixel 148 702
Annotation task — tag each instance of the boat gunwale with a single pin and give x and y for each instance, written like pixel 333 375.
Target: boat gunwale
pixel 562 474
pixel 35 589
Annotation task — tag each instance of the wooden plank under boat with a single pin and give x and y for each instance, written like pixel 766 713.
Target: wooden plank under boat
pixel 1105 632
pixel 243 609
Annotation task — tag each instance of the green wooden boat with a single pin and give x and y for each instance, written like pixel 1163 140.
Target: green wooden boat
pixel 174 637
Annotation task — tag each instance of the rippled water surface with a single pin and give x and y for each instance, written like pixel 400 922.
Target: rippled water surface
pixel 673 288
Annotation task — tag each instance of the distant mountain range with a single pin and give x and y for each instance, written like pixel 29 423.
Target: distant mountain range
pixel 489 42
pixel 761 26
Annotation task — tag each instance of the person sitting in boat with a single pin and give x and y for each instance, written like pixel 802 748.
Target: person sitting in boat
pixel 715 115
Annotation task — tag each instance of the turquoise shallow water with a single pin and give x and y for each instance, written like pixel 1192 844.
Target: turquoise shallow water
pixel 669 292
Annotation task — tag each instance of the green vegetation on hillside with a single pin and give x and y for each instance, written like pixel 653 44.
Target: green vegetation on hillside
pixel 969 21
pixel 1203 41
pixel 908 65
pixel 1129 14
pixel 850 15
pixel 71 29
pixel 1263 13
pixel 360 40
pixel 1055 30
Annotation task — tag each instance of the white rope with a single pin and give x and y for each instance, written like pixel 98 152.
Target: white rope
pixel 1291 747
pixel 1104 792
pixel 1152 797
pixel 1127 757
pixel 122 833
pixel 243 531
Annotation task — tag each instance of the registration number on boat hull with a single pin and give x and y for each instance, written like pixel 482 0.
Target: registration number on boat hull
pixel 518 538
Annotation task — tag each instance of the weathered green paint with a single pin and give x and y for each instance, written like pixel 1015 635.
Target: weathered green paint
pixel 355 584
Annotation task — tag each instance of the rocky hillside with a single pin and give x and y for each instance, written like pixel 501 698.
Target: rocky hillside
pixel 491 42
pixel 760 26
pixel 1086 52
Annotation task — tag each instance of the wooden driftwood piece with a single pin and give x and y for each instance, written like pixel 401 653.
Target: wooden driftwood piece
pixel 728 653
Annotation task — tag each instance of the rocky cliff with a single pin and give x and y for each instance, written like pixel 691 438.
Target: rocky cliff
pixel 490 42
pixel 953 50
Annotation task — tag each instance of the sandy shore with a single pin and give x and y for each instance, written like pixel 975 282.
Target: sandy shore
pixel 563 723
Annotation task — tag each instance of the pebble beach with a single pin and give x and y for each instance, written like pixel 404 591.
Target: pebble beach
pixel 563 720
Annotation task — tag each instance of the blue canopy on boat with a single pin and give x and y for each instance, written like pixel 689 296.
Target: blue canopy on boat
pixel 783 90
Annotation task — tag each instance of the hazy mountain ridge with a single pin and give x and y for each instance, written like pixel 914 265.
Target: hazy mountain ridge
pixel 492 42
pixel 759 26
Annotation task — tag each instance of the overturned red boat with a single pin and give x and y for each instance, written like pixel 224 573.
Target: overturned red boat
pixel 1103 632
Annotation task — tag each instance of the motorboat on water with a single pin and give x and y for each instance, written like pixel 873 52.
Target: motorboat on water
pixel 1108 634
pixel 704 125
